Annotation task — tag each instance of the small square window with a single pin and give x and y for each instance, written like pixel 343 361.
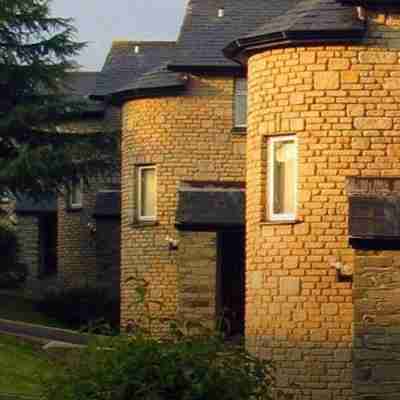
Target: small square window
pixel 147 193
pixel 282 178
pixel 76 195
pixel 240 106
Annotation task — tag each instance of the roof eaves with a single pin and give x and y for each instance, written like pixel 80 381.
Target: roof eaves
pixel 236 50
pixel 207 69
pixel 374 4
pixel 118 98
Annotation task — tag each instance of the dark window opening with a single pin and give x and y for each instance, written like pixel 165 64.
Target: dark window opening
pixel 48 245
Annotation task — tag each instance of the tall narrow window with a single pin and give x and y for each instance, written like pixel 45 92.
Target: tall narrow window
pixel 75 195
pixel 240 107
pixel 147 193
pixel 283 178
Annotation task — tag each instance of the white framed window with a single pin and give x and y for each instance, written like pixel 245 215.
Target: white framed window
pixel 282 176
pixel 76 194
pixel 147 193
pixel 240 106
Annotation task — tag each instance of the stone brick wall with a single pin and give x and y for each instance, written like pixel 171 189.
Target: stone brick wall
pixel 377 325
pixel 79 265
pixel 82 260
pixel 188 138
pixel 28 251
pixel 198 277
pixel 76 248
pixel 342 103
pixel 376 302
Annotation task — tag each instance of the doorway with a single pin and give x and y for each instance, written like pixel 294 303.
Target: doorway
pixel 231 282
pixel 48 245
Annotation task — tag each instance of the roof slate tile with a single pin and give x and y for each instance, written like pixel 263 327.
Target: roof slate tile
pixel 203 35
pixel 124 65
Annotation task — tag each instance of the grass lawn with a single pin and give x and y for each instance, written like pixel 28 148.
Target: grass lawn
pixel 19 309
pixel 21 365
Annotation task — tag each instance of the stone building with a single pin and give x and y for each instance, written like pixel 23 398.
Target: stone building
pixel 59 235
pixel 307 266
pixel 73 240
pixel 183 174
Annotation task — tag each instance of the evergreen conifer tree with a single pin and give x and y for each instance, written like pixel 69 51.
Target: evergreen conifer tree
pixel 36 54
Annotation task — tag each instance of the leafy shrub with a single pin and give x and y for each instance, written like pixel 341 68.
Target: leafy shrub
pixel 80 306
pixel 12 273
pixel 141 368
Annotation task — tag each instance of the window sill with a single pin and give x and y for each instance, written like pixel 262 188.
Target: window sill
pixel 283 222
pixel 144 224
pixel 239 130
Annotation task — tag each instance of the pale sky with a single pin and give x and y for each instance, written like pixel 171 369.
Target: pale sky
pixel 99 22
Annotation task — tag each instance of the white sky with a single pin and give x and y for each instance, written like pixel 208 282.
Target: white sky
pixel 99 22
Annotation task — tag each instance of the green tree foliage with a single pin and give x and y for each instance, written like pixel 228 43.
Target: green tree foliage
pixel 36 55
pixel 12 273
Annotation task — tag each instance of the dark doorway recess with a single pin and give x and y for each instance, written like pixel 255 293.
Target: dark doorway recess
pixel 231 282
pixel 48 245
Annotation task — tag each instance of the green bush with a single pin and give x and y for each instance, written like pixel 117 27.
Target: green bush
pixel 80 306
pixel 12 274
pixel 141 368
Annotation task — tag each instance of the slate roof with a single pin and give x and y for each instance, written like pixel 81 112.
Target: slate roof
pixel 108 204
pixel 309 21
pixel 313 15
pixel 81 83
pixel 203 35
pixel 153 80
pixel 47 203
pixel 79 86
pixel 205 206
pixel 124 66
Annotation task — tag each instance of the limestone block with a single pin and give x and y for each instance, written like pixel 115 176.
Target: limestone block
pixel 307 57
pixel 343 355
pixel 360 143
pixel 330 309
pixel 321 395
pixel 328 80
pixel 256 279
pixel 339 64
pixel 297 124
pixel 289 286
pixel 377 57
pixel 350 77
pixel 355 110
pixel 370 123
pixel 392 84
pixel 297 98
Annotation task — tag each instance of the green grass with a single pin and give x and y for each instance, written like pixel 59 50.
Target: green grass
pixel 19 309
pixel 22 366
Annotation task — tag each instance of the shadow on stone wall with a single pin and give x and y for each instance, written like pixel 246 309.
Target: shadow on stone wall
pixel 376 372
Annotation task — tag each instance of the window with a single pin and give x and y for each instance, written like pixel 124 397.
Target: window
pixel 75 195
pixel 147 193
pixel 283 178
pixel 240 107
